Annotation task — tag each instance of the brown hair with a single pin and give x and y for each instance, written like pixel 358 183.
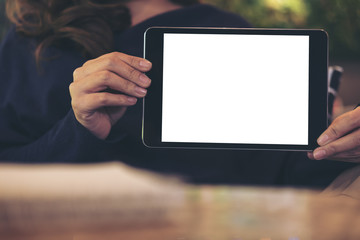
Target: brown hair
pixel 86 25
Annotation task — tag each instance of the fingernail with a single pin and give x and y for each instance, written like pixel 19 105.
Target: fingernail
pixel 144 79
pixel 320 154
pixel 145 63
pixel 323 139
pixel 140 91
pixel 132 100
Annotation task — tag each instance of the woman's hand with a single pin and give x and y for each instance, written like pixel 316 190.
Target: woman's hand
pixel 341 141
pixel 104 87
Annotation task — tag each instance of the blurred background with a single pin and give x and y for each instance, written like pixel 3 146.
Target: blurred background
pixel 340 18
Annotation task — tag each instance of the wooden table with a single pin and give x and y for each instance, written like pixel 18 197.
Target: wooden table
pixel 113 201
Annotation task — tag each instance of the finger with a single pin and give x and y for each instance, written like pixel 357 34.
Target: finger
pixel 140 64
pixel 101 81
pixel 341 126
pixel 92 102
pixel 343 144
pixel 347 156
pixel 136 62
pixel 126 66
pixel 310 155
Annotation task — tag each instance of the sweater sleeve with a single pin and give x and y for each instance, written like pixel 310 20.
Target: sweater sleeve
pixel 37 123
pixel 66 141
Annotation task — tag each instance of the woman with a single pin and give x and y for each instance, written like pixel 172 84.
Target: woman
pixel 94 46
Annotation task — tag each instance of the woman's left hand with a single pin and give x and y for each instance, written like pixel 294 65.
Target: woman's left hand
pixel 341 141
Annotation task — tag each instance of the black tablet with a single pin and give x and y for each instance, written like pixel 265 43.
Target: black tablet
pixel 235 88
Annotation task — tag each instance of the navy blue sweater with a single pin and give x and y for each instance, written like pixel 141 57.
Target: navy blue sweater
pixel 37 124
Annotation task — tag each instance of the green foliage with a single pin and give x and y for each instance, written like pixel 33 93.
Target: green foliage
pixel 267 13
pixel 340 18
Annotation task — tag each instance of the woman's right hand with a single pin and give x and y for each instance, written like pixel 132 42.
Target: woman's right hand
pixel 104 87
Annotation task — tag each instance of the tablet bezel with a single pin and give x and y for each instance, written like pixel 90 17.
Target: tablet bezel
pixel 318 65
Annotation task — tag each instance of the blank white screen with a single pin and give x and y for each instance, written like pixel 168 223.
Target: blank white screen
pixel 222 88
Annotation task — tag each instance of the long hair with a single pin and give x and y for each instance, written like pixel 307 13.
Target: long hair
pixel 85 25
